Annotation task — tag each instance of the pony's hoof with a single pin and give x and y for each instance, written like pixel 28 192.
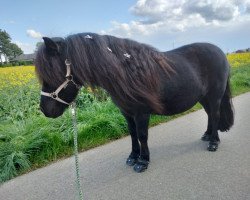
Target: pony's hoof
pixel 131 161
pixel 205 137
pixel 141 165
pixel 213 146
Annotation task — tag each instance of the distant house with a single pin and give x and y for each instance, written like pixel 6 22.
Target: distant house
pixel 239 51
pixel 25 57
pixel 243 50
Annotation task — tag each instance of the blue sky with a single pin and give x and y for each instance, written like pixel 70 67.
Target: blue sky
pixel 162 23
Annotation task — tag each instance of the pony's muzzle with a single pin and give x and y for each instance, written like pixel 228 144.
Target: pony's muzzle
pixel 51 113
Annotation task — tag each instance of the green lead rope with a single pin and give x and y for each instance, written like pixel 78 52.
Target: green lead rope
pixel 78 182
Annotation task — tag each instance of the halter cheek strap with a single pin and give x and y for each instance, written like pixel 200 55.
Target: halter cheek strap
pixel 69 78
pixel 54 95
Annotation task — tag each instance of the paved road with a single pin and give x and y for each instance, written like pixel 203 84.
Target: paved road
pixel 180 167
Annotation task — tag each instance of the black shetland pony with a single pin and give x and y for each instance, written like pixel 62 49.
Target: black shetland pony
pixel 140 80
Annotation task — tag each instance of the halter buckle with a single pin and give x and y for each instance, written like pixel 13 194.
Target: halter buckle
pixel 67 62
pixel 53 95
pixel 69 78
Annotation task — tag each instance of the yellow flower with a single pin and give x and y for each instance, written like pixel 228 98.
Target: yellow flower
pixel 239 59
pixel 16 76
pixel 21 75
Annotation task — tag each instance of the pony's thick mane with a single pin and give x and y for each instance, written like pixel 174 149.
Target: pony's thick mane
pixel 128 70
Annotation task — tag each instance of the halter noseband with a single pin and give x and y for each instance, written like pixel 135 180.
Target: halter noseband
pixel 69 78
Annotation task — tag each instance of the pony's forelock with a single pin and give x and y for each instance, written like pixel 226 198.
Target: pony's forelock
pixel 49 69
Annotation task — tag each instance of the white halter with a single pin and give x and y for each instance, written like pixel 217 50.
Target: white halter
pixel 69 78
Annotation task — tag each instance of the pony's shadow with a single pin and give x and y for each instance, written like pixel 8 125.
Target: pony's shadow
pixel 169 152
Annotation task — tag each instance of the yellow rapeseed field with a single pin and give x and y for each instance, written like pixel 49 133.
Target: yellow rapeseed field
pixel 16 76
pixel 238 59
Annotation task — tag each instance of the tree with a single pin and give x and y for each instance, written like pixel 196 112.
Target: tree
pixel 4 42
pixel 7 49
pixel 15 51
pixel 38 44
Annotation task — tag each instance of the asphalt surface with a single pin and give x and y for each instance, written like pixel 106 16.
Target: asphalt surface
pixel 180 167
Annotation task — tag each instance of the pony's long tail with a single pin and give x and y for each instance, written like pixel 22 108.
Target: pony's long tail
pixel 226 110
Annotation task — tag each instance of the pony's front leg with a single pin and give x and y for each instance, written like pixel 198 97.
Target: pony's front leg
pixel 135 153
pixel 142 122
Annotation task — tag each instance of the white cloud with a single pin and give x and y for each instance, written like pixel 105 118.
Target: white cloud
pixel 11 22
pixel 156 10
pixel 26 47
pixel 34 34
pixel 170 16
pixel 247 6
pixel 128 30
pixel 223 10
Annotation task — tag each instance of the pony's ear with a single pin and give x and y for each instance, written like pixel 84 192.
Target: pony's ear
pixel 51 46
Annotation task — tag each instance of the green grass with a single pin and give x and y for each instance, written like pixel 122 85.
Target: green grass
pixel 28 140
pixel 240 80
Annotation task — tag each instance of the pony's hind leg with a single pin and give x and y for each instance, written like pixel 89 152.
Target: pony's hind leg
pixel 142 122
pixel 135 153
pixel 206 136
pixel 214 141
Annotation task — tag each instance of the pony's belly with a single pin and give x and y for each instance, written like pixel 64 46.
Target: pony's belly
pixel 171 111
pixel 180 105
